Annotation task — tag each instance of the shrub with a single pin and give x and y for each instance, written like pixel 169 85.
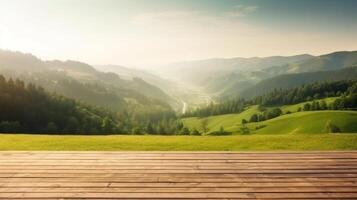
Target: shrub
pixel 10 127
pixel 253 118
pixel 244 130
pixel 195 132
pixel 185 131
pixel 260 127
pixel 331 128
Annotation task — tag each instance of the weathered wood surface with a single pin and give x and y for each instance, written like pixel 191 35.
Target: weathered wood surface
pixel 178 175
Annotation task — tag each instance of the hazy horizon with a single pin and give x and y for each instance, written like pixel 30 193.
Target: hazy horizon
pixel 157 32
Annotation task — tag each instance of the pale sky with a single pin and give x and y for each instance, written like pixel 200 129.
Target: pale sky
pixel 146 33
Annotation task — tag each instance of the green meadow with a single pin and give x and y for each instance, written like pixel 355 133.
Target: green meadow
pixel 278 142
pixel 307 122
pixel 312 122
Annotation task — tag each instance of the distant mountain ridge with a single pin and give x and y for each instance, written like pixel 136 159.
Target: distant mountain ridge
pixel 81 81
pixel 216 76
pixel 209 68
pixel 287 81
pixel 130 73
pixel 329 67
pixel 332 61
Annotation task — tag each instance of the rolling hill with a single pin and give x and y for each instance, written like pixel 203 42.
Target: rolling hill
pixel 198 71
pixel 230 77
pixel 332 61
pixel 218 74
pixel 329 67
pixel 309 122
pixel 83 82
pixel 130 73
pixel 312 122
pixel 288 81
pixel 146 82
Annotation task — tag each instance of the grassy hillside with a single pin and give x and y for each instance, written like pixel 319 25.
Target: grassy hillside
pixel 295 107
pixel 312 122
pixel 215 122
pixel 179 143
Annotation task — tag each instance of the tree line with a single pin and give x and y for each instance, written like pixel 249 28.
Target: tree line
pixel 347 101
pixel 309 92
pixel 226 107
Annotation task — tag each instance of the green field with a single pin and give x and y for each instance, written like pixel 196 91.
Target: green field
pixel 311 122
pixel 179 143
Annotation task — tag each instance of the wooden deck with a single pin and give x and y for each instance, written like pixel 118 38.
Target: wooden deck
pixel 178 175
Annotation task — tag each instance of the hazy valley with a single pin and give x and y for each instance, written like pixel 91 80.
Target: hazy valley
pixel 134 101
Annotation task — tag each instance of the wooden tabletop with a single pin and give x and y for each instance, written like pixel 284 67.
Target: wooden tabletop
pixel 178 175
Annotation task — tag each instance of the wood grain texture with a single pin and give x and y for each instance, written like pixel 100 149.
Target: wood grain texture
pixel 178 175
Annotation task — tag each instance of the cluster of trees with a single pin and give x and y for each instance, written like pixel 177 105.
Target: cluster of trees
pixel 230 106
pixel 162 127
pixel 315 105
pixel 307 92
pixel 348 101
pixel 346 90
pixel 187 131
pixel 265 115
pixel 342 103
pixel 30 109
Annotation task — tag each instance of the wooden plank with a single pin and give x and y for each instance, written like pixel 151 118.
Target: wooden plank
pixel 52 168
pixel 119 158
pixel 187 170
pixel 172 179
pixel 103 161
pixel 184 190
pixel 178 175
pixel 94 184
pixel 160 195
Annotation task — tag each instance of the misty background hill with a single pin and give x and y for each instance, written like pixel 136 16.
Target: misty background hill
pixel 83 82
pixel 232 77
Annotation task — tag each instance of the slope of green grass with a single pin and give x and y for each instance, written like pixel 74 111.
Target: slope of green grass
pixel 178 143
pixel 215 122
pixel 312 122
pixel 295 107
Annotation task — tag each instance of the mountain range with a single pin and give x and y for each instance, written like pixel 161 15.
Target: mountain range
pixel 121 88
pixel 233 77
pixel 83 82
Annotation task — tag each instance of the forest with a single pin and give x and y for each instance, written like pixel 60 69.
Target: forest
pixel 27 108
